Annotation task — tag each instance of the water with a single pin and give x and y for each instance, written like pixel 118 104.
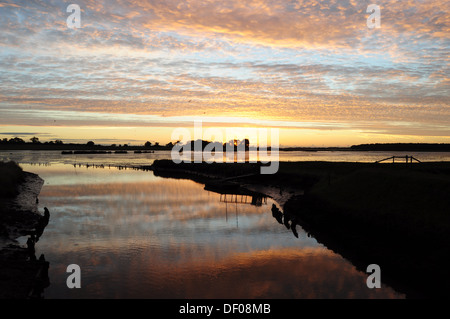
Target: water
pixel 135 235
pixel 132 159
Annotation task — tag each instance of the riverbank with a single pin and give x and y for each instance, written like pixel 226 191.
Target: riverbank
pixel 23 276
pixel 12 176
pixel 396 217
pixel 393 215
pixel 18 207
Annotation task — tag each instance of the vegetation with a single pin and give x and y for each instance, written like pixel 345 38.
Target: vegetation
pixel 394 215
pixel 417 147
pixel 17 143
pixel 11 175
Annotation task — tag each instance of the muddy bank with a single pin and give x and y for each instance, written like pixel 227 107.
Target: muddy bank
pixel 19 214
pixel 22 274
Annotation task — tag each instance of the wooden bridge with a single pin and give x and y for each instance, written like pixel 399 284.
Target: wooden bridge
pixel 232 192
pixel 243 199
pixel 408 159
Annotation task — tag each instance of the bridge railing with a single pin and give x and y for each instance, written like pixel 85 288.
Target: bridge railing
pixel 408 159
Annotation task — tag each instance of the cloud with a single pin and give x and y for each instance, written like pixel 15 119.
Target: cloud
pixel 21 133
pixel 266 59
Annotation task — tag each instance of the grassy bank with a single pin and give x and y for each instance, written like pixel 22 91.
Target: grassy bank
pixel 396 216
pixel 397 196
pixel 11 175
pixel 290 174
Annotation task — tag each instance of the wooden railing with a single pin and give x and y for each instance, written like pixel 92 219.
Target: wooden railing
pixel 408 159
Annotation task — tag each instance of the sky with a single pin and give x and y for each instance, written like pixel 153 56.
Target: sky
pixel 315 70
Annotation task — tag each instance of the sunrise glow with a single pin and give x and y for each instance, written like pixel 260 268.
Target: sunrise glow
pixel 135 71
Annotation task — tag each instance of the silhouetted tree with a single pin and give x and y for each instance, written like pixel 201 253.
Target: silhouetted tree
pixel 16 140
pixel 35 140
pixel 156 144
pixel 90 143
pixel 148 144
pixel 170 144
pixel 59 142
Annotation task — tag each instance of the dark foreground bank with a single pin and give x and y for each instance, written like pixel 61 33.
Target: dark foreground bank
pixel 22 274
pixel 394 215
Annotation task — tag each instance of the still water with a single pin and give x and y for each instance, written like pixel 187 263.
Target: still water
pixel 132 159
pixel 135 235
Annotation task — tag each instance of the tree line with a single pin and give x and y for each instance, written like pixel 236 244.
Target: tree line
pixel 35 143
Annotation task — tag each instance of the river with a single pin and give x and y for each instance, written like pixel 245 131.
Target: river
pixel 135 235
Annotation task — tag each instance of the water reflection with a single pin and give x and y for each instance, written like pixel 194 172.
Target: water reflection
pixel 135 159
pixel 23 276
pixel 288 220
pixel 287 273
pixel 135 235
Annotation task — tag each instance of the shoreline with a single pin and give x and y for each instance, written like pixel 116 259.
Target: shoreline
pixel 382 147
pixel 393 215
pixel 23 275
pixel 19 215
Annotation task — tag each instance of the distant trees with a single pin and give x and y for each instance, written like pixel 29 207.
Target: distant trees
pixel 235 144
pixel 154 145
pixel 403 147
pixel 35 143
pixel 17 140
pixel 35 140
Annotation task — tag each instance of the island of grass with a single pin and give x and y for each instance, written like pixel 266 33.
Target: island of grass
pixel 394 215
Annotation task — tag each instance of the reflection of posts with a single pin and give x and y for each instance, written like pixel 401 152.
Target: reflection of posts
pixel 30 247
pixel 46 215
pixel 293 228
pixel 286 222
pixel 276 213
pixel 42 280
pixel 284 219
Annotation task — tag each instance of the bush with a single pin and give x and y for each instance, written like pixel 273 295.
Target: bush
pixel 11 175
